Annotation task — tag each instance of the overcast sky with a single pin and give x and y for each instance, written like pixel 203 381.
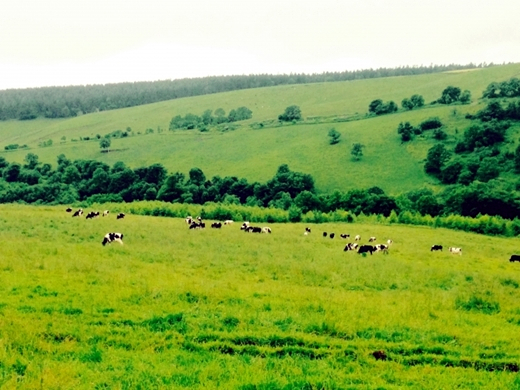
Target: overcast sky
pixel 67 42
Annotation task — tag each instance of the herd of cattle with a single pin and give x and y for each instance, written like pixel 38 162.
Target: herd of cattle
pixel 109 237
pixel 197 223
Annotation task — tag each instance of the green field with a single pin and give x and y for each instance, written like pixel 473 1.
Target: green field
pixel 177 308
pixel 255 154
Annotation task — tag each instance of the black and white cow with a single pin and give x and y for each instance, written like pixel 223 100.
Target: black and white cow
pixel 366 249
pixel 350 246
pixel 357 238
pixel 78 213
pixel 197 225
pixel 307 231
pixel 344 236
pixel 120 216
pixel 436 247
pixel 456 251
pixel 253 229
pixel 105 213
pixel 189 220
pixel 244 226
pixel 216 225
pixel 111 237
pixel 266 229
pixel 514 258
pixel 371 239
pixel 381 248
pixel 228 222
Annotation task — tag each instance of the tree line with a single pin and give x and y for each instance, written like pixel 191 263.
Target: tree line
pixel 70 101
pixel 93 181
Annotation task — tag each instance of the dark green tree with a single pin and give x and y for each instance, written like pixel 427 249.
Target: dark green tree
pixel 291 113
pixel 449 95
pixel 437 156
pixel 105 143
pixel 357 151
pixel 334 136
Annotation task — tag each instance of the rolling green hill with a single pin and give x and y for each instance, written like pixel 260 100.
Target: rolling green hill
pixel 208 309
pixel 255 154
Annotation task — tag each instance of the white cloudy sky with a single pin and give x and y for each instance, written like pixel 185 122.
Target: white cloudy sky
pixel 70 42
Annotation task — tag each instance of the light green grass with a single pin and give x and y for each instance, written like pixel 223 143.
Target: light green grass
pixel 255 154
pixel 177 308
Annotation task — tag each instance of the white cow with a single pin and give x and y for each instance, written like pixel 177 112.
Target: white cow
pixel 456 250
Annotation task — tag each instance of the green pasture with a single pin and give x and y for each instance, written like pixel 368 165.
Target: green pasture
pixel 255 154
pixel 179 308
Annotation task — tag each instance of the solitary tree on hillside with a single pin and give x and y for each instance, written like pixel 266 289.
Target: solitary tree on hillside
pixel 334 136
pixel 357 151
pixel 292 113
pixel 104 143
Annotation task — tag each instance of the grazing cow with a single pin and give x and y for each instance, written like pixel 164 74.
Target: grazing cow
pixel 456 250
pixel 228 222
pixel 216 225
pixel 266 229
pixel 350 246
pixel 110 237
pixel 331 235
pixel 105 213
pixel 189 220
pixel 436 248
pixel 389 242
pixel 244 226
pixel 307 230
pixel 365 249
pixel 371 239
pixel 514 258
pixel 325 234
pixel 78 213
pixel 197 225
pixel 120 216
pixel 92 214
pixel 381 247
pixel 345 236
pixel 68 210
pixel 253 229
pixel 357 238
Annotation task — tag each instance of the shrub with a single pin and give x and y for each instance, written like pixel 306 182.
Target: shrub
pixel 475 303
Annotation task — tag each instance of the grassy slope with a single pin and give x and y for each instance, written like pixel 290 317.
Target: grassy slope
pixel 255 154
pixel 74 314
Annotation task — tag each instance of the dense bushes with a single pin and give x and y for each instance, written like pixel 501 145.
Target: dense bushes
pixel 192 121
pixel 378 107
pixel 505 89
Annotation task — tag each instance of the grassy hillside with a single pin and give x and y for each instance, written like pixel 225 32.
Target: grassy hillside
pixel 177 308
pixel 255 154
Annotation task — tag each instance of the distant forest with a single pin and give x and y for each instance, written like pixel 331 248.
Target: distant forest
pixel 71 101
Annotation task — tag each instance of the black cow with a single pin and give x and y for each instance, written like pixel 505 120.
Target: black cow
pixel 307 230
pixel 436 248
pixel 324 234
pixel 120 216
pixel 111 237
pixel 366 248
pixel 514 258
pixel 68 210
pixel 331 235
pixel 216 225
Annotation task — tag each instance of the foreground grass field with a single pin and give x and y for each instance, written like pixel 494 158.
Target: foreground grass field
pixel 174 308
pixel 255 154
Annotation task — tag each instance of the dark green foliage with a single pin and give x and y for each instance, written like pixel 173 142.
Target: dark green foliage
pixel 11 147
pixel 415 101
pixel 449 95
pixel 105 143
pixel 489 169
pixel 495 111
pixel 505 89
pixel 191 121
pixel 378 107
pixel 437 157
pixel 291 113
pixel 483 135
pixel 451 171
pixel 430 124
pixel 406 130
pixel 357 151
pixel 334 136
pixel 174 322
